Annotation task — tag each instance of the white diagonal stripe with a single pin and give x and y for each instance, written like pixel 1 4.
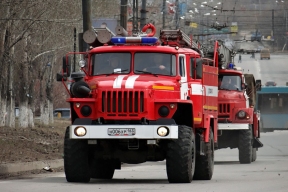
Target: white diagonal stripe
pixel 118 81
pixel 130 81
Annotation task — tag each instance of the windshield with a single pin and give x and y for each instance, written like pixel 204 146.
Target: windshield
pixel 229 82
pixel 109 63
pixel 273 103
pixel 155 63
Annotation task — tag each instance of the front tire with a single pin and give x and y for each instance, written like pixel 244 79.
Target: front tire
pixel 245 146
pixel 76 164
pixel 205 164
pixel 180 159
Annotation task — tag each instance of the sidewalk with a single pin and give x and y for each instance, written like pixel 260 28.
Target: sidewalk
pixel 285 52
pixel 11 168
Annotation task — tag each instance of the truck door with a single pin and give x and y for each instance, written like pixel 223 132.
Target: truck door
pixel 197 92
pixel 183 74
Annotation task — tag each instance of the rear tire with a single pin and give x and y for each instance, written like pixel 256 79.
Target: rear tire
pixel 180 159
pixel 102 169
pixel 205 164
pixel 245 146
pixel 76 164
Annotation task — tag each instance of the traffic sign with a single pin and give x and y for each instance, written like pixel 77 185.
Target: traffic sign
pixel 193 25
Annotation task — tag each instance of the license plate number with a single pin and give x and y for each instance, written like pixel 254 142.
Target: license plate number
pixel 121 132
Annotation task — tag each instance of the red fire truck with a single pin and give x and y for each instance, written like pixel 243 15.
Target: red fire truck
pixel 238 120
pixel 140 99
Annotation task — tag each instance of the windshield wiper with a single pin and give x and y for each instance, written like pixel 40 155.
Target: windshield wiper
pixel 221 88
pixel 146 72
pixel 120 71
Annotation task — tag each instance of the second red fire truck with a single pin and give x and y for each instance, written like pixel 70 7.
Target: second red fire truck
pixel 238 120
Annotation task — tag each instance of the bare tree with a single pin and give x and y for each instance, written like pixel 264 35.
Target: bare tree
pixel 33 34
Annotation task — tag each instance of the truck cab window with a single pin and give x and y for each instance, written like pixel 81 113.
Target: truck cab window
pixel 155 63
pixel 109 63
pixel 229 82
pixel 196 68
pixel 182 66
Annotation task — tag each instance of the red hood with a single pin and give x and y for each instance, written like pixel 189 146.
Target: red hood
pixel 131 81
pixel 230 96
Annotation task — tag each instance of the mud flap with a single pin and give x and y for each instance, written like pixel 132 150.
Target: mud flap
pixel 257 143
pixel 202 148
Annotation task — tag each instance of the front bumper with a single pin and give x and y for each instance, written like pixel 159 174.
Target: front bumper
pixel 141 132
pixel 233 126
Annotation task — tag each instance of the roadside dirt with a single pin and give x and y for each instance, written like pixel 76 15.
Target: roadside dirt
pixel 32 144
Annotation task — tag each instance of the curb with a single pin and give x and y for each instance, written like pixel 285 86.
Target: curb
pixel 29 166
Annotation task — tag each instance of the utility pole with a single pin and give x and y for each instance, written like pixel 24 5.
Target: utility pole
pixel 202 29
pixel 123 14
pixel 143 14
pixel 74 56
pixel 135 17
pixel 285 29
pixel 87 21
pixel 164 14
pixel 273 29
pixel 207 30
pixel 177 13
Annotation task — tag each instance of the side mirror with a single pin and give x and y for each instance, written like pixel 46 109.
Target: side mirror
pixel 66 68
pixel 60 77
pixel 258 85
pixel 244 86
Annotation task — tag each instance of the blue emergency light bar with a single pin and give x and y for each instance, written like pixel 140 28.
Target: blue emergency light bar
pixel 231 66
pixel 134 40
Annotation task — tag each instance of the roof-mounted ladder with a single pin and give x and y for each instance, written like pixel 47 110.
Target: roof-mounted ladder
pixel 177 38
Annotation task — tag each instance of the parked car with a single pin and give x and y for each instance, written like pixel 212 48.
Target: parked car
pixel 270 83
pixel 62 113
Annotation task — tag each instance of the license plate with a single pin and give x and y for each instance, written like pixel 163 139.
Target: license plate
pixel 121 132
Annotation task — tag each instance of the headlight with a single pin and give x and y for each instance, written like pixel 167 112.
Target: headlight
pixel 82 63
pixel 80 131
pixel 241 114
pixel 163 111
pixel 162 131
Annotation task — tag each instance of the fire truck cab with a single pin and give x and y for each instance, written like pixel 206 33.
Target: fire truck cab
pixel 139 99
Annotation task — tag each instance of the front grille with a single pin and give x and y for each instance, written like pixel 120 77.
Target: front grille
pixel 123 102
pixel 224 108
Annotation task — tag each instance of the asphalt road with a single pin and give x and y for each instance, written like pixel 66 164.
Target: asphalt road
pixel 275 69
pixel 268 173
